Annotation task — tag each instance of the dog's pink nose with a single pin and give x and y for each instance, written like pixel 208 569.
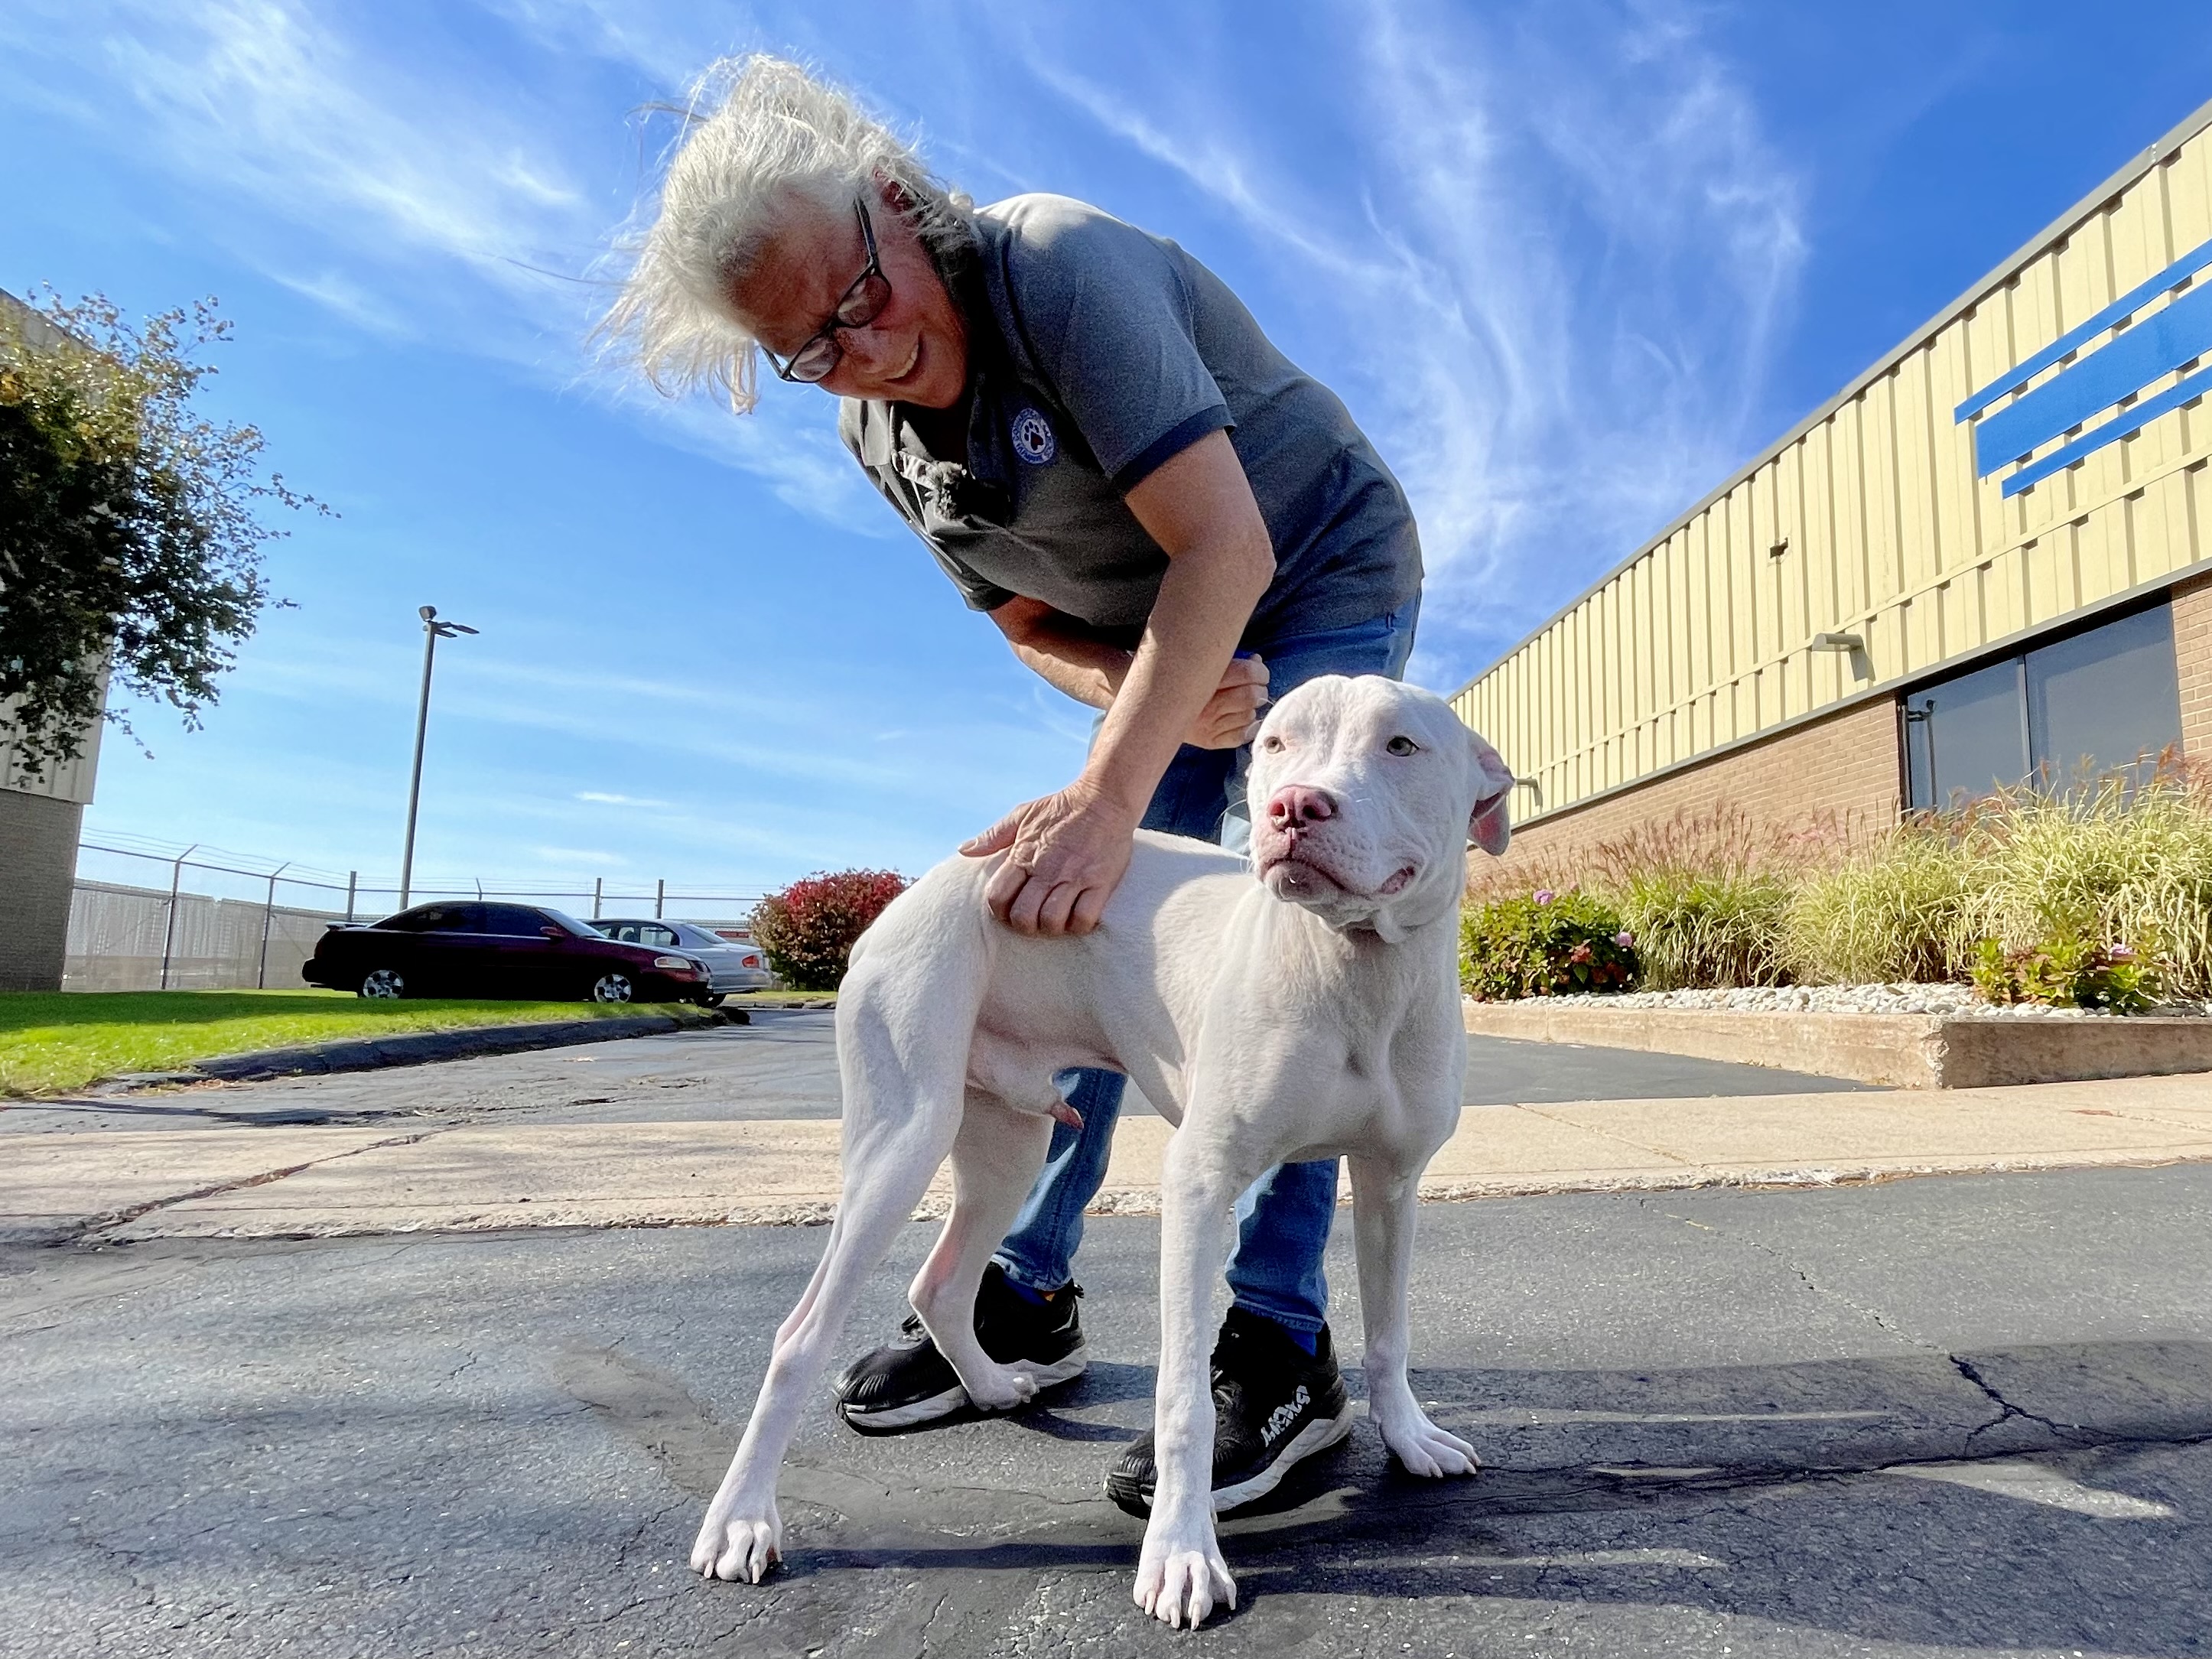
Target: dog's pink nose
pixel 1295 805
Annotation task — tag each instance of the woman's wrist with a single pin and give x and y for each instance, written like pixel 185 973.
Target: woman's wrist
pixel 1117 789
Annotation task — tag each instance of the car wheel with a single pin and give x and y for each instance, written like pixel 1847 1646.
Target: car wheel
pixel 612 988
pixel 383 983
pixel 715 1000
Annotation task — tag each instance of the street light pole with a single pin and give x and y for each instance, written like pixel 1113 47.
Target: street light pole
pixel 433 631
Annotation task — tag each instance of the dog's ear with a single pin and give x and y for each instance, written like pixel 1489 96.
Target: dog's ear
pixel 1488 826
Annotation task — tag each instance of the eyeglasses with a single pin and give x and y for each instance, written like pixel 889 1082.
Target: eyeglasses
pixel 863 302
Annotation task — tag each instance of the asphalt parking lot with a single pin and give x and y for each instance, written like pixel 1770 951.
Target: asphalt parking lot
pixel 1942 1416
pixel 784 1064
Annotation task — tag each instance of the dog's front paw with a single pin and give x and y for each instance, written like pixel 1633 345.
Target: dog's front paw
pixel 1422 1447
pixel 1000 1388
pixel 1180 1584
pixel 735 1545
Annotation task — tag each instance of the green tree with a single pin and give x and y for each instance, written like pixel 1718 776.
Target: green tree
pixel 130 526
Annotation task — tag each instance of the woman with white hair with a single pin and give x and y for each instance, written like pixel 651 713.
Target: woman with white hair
pixel 1165 517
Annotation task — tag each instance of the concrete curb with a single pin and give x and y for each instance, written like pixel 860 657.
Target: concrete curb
pixel 1903 1051
pixel 424 1047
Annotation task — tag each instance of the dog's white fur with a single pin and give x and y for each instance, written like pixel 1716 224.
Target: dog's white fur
pixel 1308 1014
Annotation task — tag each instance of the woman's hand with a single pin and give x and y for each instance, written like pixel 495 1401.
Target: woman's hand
pixel 1231 715
pixel 1066 853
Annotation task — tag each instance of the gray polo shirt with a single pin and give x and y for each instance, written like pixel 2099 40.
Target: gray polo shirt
pixel 1097 352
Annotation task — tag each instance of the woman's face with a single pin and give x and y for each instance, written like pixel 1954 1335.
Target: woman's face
pixel 915 350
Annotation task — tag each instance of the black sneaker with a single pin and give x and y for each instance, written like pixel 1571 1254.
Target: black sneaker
pixel 908 1383
pixel 1275 1404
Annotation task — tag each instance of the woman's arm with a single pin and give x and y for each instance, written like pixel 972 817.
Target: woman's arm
pixel 1068 852
pixel 1065 652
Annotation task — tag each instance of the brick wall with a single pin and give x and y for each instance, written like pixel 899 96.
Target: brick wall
pixel 2193 654
pixel 38 868
pixel 1844 767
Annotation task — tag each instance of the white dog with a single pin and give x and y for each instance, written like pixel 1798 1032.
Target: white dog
pixel 1308 1014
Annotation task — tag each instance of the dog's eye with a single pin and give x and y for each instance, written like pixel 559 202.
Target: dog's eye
pixel 1403 746
pixel 1272 743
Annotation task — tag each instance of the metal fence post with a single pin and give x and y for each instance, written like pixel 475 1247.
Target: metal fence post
pixel 659 897
pixel 353 880
pixel 599 891
pixel 169 924
pixel 268 913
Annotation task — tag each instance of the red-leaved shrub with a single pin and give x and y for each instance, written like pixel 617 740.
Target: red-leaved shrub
pixel 808 929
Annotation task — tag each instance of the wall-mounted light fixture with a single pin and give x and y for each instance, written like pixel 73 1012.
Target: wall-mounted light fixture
pixel 1532 787
pixel 1838 642
pixel 1778 548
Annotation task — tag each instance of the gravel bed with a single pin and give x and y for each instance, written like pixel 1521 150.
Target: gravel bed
pixel 1955 1000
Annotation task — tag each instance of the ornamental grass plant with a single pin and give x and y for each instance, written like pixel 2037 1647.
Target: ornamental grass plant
pixel 1893 909
pixel 2114 864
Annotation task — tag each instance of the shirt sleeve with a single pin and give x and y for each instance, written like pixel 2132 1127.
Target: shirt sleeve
pixel 1108 319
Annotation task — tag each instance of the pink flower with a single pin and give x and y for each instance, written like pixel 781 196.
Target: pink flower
pixel 1624 938
pixel 1545 896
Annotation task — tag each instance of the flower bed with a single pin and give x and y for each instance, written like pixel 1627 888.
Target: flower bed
pixel 2098 899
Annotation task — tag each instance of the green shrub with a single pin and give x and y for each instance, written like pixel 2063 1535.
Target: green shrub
pixel 1895 910
pixel 1696 929
pixel 1547 944
pixel 2067 971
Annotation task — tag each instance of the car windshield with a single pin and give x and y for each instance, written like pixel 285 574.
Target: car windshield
pixel 581 929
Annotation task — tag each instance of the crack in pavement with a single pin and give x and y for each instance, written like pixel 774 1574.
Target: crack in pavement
pixel 83 1231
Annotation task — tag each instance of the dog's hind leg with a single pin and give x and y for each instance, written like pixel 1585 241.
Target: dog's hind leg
pixel 995 1160
pixel 1385 1207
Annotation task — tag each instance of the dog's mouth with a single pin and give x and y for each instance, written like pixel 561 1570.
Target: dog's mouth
pixel 1300 880
pixel 1291 871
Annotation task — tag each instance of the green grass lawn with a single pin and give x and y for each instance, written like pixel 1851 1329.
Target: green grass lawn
pixel 55 1041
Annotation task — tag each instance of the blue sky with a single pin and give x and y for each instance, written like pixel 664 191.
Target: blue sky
pixel 1569 263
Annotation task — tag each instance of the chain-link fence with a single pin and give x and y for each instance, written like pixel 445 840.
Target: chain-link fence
pixel 145 918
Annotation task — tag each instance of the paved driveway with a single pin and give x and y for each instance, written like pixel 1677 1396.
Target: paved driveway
pixel 1942 1416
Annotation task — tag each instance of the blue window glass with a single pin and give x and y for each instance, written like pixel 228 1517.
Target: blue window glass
pixel 2059 715
pixel 1966 736
pixel 2104 700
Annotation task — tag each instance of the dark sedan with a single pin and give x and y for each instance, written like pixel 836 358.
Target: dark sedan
pixel 472 949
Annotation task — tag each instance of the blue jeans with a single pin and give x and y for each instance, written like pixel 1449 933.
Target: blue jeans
pixel 1283 1219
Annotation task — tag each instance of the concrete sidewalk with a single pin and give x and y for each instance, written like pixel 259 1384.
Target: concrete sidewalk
pixel 327 1183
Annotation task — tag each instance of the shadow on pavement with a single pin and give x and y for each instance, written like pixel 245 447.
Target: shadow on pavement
pixel 2016 1460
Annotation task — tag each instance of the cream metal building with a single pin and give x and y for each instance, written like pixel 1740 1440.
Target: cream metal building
pixel 1990 554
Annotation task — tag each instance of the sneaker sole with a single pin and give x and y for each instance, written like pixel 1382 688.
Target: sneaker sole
pixel 1317 1435
pixel 892 1418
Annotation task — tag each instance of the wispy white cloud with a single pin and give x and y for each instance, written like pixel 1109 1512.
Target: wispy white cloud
pixel 571 857
pixel 429 208
pixel 606 798
pixel 1554 281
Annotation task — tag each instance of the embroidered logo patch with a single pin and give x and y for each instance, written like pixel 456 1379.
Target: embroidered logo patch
pixel 1033 439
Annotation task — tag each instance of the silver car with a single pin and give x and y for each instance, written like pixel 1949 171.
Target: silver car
pixel 735 966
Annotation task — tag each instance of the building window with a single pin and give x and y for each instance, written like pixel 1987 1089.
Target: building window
pixel 2056 715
